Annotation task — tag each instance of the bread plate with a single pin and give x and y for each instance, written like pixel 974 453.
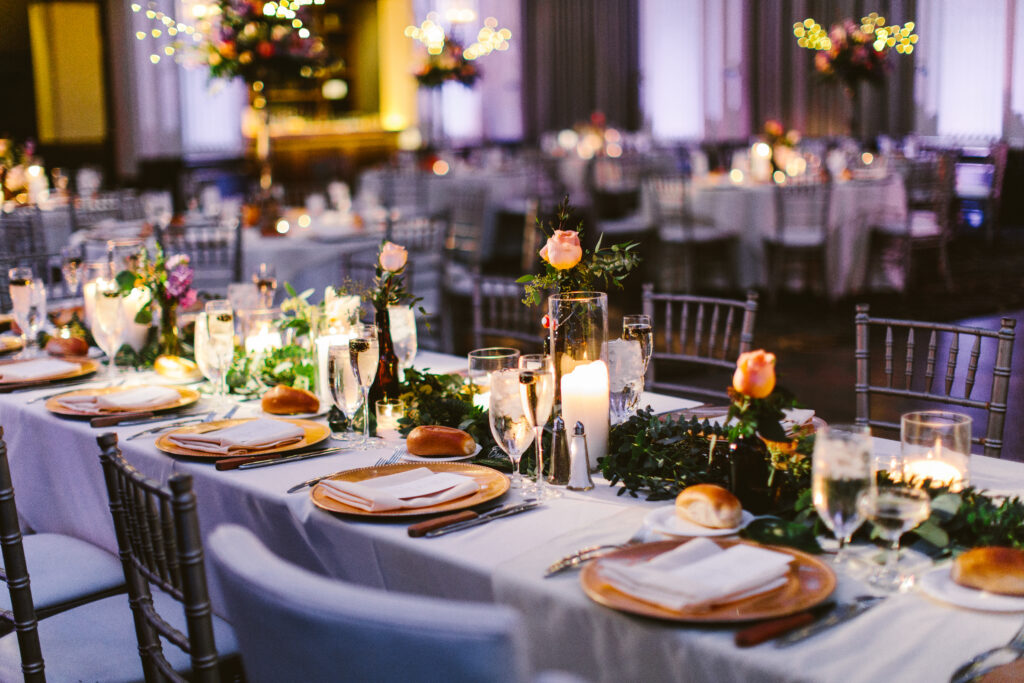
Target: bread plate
pixel 665 520
pixel 938 584
pixel 406 456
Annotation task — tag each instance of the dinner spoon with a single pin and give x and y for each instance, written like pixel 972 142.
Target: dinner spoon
pixel 1004 654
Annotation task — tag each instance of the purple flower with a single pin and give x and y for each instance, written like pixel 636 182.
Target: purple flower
pixel 177 260
pixel 188 298
pixel 179 279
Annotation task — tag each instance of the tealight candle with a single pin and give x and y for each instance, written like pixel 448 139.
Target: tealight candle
pixel 936 446
pixel 585 398
pixel 262 339
pixel 938 472
pixel 389 412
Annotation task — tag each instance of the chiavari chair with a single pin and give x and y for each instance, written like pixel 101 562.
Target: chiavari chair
pixel 499 313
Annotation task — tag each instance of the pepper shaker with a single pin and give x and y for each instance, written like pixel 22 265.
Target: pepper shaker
pixel 579 478
pixel 560 466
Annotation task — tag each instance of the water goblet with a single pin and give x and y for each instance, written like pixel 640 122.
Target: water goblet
pixel 403 334
pixel 482 362
pixel 510 426
pixel 841 470
pixel 108 320
pixel 71 263
pixel 537 393
pixel 346 394
pixel 265 279
pixel 639 328
pixel 626 377
pixel 894 510
pixel 364 356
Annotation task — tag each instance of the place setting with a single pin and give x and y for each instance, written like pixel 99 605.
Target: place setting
pixel 110 406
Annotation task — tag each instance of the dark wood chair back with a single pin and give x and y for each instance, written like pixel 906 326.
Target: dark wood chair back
pixel 911 376
pixel 158 541
pixel 697 331
pixel 499 313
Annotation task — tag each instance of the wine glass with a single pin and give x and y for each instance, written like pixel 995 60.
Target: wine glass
pixel 346 393
pixel 482 362
pixel 71 268
pixel 537 393
pixel 108 320
pixel 28 304
pixel 841 470
pixel 265 279
pixel 893 510
pixel 220 340
pixel 364 355
pixel 403 334
pixel 510 426
pixel 201 347
pixel 639 327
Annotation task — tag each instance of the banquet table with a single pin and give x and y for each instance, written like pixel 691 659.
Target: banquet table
pixel 908 637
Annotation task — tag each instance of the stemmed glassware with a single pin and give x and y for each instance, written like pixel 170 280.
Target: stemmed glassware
pixel 537 393
pixel 265 279
pixel 403 334
pixel 625 378
pixel 893 510
pixel 220 339
pixel 71 268
pixel 204 359
pixel 841 471
pixel 108 320
pixel 28 304
pixel 346 393
pixel 482 362
pixel 364 355
pixel 510 426
pixel 639 328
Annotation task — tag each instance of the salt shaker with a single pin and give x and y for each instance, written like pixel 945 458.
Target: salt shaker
pixel 560 466
pixel 579 477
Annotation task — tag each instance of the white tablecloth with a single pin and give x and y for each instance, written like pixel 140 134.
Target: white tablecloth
pixel 909 638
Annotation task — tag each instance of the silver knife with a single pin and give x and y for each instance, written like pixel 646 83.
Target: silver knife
pixel 169 425
pixel 290 458
pixel 314 481
pixel 160 418
pixel 506 511
pixel 842 613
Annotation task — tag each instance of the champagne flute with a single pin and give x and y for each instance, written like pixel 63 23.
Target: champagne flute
pixel 28 304
pixel 894 510
pixel 841 471
pixel 364 355
pixel 220 338
pixel 265 279
pixel 537 393
pixel 510 426
pixel 108 320
pixel 71 268
pixel 639 327
pixel 346 393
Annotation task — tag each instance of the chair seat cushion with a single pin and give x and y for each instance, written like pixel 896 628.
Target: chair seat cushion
pixel 924 224
pixel 63 569
pixel 694 234
pixel 97 642
pixel 798 238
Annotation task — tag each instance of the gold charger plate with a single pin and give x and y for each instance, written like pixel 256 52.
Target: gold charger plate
pixel 186 397
pixel 492 484
pixel 86 366
pixel 810 582
pixel 315 433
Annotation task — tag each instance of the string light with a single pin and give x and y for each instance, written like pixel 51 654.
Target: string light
pixel 812 36
pixel 432 35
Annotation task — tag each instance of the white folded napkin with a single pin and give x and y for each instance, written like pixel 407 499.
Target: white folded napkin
pixel 796 417
pixel 699 575
pixel 40 368
pixel 412 489
pixel 132 398
pixel 253 435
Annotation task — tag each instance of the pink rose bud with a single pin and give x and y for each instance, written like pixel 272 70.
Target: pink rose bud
pixel 563 250
pixel 393 257
pixel 755 374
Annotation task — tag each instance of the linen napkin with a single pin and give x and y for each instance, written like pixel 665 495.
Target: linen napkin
pixel 699 575
pixel 796 417
pixel 416 488
pixel 40 368
pixel 133 398
pixel 253 435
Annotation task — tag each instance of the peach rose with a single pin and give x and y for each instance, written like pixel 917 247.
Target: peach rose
pixel 393 257
pixel 563 250
pixel 755 374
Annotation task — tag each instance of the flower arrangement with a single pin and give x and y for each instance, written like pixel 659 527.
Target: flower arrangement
pixel 168 280
pixel 390 278
pixel 776 134
pixel 450 65
pixel 569 267
pixel 851 53
pixel 14 163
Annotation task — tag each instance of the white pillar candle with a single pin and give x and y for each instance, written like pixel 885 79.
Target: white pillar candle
pixel 38 189
pixel 585 399
pixel 135 334
pixel 323 344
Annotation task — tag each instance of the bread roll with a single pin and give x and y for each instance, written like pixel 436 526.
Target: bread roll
pixel 66 346
pixel 437 441
pixel 710 506
pixel 177 368
pixel 997 570
pixel 285 400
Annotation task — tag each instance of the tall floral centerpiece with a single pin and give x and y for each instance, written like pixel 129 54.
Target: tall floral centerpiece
pixel 850 53
pixel 168 280
pixel 389 290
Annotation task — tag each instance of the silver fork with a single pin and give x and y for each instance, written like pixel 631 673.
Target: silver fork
pixel 395 456
pixel 988 660
pixel 172 425
pixel 72 387
pixel 592 552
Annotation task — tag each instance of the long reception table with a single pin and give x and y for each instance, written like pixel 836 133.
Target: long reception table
pixel 908 637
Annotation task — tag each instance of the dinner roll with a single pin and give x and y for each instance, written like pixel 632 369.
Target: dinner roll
pixel 286 400
pixel 434 440
pixel 993 569
pixel 177 368
pixel 710 506
pixel 66 346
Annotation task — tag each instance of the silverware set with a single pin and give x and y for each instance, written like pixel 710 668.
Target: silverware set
pixel 69 386
pixel 592 552
pixel 990 659
pixel 396 455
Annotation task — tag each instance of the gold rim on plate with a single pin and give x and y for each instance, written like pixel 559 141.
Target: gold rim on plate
pixel 810 582
pixel 314 434
pixel 186 397
pixel 86 366
pixel 492 485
